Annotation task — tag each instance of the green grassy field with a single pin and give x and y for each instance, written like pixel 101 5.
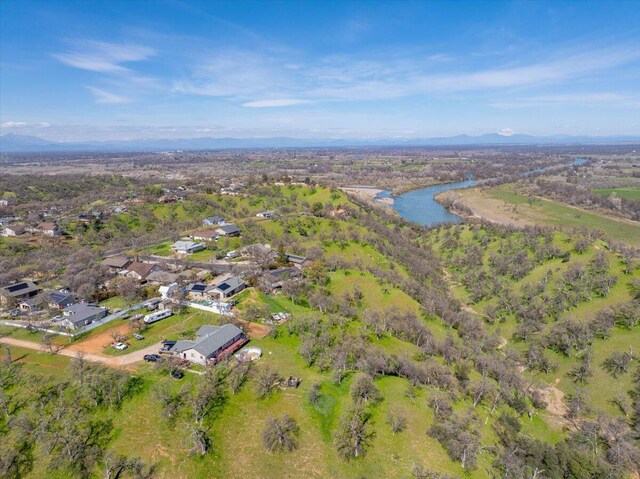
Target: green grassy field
pixel 630 192
pixel 543 211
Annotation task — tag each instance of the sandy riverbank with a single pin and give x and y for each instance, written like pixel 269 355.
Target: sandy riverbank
pixel 368 193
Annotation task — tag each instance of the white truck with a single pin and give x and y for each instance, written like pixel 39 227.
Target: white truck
pixel 153 317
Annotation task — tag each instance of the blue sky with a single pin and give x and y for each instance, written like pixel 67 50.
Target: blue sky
pixel 80 70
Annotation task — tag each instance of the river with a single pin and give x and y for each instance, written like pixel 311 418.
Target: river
pixel 421 207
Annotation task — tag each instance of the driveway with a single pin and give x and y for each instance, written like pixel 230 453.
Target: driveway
pixel 73 350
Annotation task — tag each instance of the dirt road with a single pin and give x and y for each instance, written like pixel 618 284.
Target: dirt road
pixel 72 351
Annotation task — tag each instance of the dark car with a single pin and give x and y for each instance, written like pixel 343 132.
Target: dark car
pixel 151 358
pixel 176 374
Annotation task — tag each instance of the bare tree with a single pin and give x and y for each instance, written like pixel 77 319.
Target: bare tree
pixel 280 434
pixel 397 420
pixel 353 435
pixel 266 381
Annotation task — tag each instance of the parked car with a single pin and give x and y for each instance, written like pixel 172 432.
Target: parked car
pixel 125 316
pixel 14 313
pixel 176 374
pixel 152 358
pixel 137 317
pixel 139 337
pixel 120 346
pixel 151 307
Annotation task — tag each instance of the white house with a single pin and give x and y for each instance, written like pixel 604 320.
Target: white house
pixel 214 221
pixel 168 290
pixel 187 247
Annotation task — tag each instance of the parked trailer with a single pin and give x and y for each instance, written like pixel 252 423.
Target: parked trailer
pixel 153 317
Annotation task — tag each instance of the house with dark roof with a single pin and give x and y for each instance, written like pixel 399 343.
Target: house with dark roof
pixel 228 230
pixel 116 263
pixel 297 260
pixel 19 291
pixel 275 278
pixel 227 288
pixel 198 291
pixel 79 315
pixel 14 230
pixel 214 221
pixel 60 299
pixel 212 344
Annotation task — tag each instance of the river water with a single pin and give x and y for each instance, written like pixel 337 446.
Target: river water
pixel 420 206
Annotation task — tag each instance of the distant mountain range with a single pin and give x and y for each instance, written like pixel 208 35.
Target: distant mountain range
pixel 13 143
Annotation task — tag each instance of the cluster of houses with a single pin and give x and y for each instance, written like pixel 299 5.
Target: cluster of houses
pixel 217 228
pixel 46 228
pixel 29 297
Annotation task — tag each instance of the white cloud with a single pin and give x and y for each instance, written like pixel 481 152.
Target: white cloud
pixel 106 97
pixel 275 103
pixel 24 124
pixel 584 99
pixel 245 75
pixel 104 57
pixel 506 132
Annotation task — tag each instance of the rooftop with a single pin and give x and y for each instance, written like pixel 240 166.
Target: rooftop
pixel 19 289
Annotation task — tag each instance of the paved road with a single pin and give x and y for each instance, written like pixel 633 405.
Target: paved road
pixel 73 350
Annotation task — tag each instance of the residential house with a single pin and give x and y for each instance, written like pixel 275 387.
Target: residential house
pixel 228 191
pixel 60 299
pixel 297 260
pixel 5 220
pixel 227 288
pixel 212 344
pixel 266 214
pixel 91 216
pixel 168 291
pixel 228 230
pixel 116 263
pixel 79 315
pixel 18 291
pixel 187 247
pixel 198 291
pixel 13 230
pixel 50 229
pixel 275 278
pixel 214 221
pixel 162 277
pixel 29 305
pixel 140 271
pixel 6 201
pixel 206 235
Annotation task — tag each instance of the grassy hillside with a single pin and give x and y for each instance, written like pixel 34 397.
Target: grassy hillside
pixel 391 324
pixel 503 204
